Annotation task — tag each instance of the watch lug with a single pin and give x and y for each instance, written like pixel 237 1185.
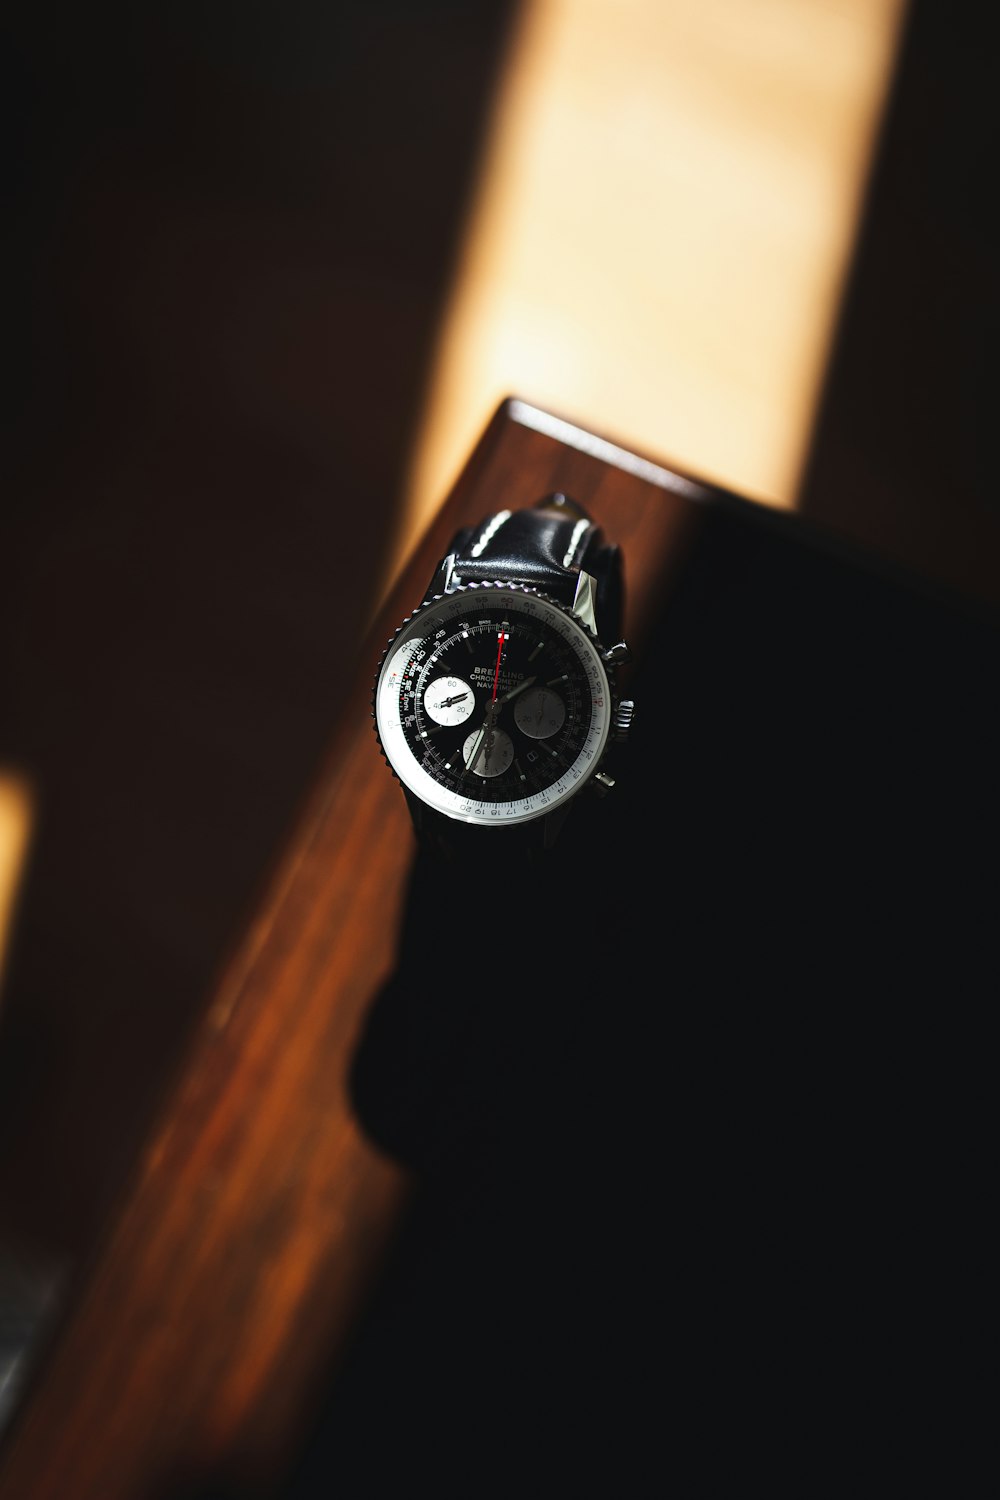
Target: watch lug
pixel 585 601
pixel 441 583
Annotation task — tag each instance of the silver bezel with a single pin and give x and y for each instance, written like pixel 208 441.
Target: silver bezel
pixel 396 749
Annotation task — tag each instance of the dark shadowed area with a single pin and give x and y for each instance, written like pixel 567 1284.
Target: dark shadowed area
pixel 229 233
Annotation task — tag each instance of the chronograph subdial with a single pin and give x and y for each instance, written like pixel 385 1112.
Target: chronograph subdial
pixel 539 713
pixel 449 701
pixel 488 752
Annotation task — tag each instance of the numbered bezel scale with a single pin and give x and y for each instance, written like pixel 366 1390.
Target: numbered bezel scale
pixel 492 703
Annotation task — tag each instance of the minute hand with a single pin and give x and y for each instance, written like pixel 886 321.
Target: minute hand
pixel 514 691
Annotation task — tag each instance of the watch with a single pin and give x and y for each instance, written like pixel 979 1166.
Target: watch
pixel 495 703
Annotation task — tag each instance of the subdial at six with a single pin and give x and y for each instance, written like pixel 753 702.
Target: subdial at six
pixel 488 753
pixel 449 700
pixel 539 713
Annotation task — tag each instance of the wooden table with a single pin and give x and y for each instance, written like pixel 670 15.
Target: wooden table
pixel 258 1214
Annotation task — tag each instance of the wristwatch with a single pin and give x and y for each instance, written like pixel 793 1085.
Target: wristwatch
pixel 495 702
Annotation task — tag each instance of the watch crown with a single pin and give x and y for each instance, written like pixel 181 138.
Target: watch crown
pixel 623 718
pixel 617 654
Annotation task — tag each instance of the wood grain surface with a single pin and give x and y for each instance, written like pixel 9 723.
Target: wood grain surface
pixel 253 1229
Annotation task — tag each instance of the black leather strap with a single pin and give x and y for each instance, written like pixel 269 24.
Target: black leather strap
pixel 449 840
pixel 545 547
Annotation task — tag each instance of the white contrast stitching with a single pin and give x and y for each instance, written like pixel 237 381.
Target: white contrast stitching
pixel 574 541
pixel 490 532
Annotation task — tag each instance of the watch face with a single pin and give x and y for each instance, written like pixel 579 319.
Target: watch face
pixel 492 704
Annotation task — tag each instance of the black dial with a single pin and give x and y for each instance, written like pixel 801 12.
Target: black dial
pixel 493 703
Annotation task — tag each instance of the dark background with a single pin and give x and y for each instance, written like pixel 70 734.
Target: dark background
pixel 230 231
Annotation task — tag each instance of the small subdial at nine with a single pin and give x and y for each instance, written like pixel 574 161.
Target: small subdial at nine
pixel 449 700
pixel 540 713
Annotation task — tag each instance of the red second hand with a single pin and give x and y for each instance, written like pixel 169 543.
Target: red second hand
pixel 496 674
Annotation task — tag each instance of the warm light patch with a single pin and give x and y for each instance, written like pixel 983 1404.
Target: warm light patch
pixel 16 805
pixel 665 215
